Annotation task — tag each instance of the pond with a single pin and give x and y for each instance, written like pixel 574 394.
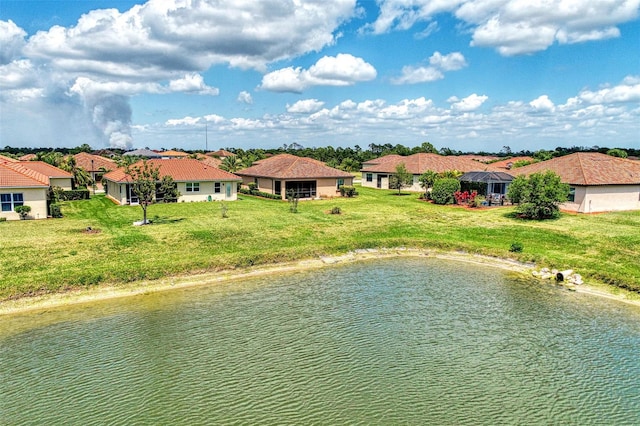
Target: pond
pixel 406 340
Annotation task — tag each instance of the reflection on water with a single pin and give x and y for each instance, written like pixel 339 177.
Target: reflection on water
pixel 393 341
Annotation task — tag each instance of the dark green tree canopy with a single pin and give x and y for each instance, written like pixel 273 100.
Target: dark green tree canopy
pixel 539 195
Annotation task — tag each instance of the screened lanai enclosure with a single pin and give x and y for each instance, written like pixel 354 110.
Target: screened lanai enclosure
pixel 492 185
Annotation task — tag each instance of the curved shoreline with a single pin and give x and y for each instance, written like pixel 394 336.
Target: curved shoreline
pixel 88 295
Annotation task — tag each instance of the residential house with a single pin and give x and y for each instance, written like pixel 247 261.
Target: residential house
pixel 309 178
pixel 28 183
pixel 221 154
pixel 142 153
pixel 195 181
pixel 375 173
pixel 598 182
pixel 508 163
pixel 173 154
pixel 95 165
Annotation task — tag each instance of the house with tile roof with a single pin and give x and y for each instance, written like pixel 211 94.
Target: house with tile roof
pixel 598 182
pixel 309 178
pixel 376 173
pixel 195 180
pixel 28 183
pixel 142 153
pixel 95 165
pixel 172 153
pixel 221 154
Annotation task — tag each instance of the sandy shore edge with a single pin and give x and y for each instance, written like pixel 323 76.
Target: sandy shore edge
pixel 88 295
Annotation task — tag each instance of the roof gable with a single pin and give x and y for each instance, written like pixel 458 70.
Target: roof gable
pixel 287 166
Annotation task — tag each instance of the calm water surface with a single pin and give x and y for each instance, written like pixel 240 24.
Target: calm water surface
pixel 411 341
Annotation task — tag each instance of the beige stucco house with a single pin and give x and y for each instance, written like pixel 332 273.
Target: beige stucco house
pixel 27 183
pixel 309 178
pixel 598 182
pixel 196 181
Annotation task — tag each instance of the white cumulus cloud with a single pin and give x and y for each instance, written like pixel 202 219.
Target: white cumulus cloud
pixel 439 63
pixel 245 98
pixel 470 103
pixel 515 27
pixel 542 103
pixel 305 106
pixel 341 70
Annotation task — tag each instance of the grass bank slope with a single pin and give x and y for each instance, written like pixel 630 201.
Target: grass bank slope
pixel 55 255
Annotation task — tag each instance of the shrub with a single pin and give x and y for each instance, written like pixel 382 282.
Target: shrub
pixel 76 194
pixel 3 219
pixel 336 210
pixel 55 211
pixel 23 211
pixel 477 202
pixel 348 191
pixel 516 247
pixel 253 187
pixel 443 190
pixel 540 195
pixel 260 194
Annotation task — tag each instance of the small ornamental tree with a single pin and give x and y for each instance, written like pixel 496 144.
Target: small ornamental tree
pixel 401 179
pixel 444 190
pixel 144 177
pixel 427 179
pixel 539 195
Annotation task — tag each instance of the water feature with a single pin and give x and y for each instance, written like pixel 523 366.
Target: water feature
pixel 378 342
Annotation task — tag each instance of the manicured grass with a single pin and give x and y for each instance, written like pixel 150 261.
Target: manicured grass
pixel 53 255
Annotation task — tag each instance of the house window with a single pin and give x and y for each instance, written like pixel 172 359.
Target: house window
pixel 11 201
pixel 277 189
pixel 572 195
pixel 369 177
pixel 193 186
pixel 217 187
pixel 339 183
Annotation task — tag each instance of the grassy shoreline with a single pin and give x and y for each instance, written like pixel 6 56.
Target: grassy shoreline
pixel 107 292
pixel 58 256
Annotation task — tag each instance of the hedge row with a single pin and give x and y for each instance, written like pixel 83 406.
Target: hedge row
pixel 260 194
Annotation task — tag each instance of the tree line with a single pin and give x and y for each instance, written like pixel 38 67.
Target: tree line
pixel 349 159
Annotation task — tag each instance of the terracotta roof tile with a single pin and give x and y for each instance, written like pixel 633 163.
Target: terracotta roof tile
pixel 419 163
pixel 287 166
pixel 46 169
pixel 587 168
pixel 505 164
pixel 5 159
pixel 14 175
pixel 173 153
pixel 93 163
pixel 181 170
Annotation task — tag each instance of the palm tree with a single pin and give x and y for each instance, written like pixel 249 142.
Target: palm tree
pixel 81 177
pixel 231 164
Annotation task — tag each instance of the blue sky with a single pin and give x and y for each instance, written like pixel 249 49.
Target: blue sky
pixel 470 75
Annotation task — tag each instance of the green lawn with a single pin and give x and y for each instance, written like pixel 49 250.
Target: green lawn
pixel 52 255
